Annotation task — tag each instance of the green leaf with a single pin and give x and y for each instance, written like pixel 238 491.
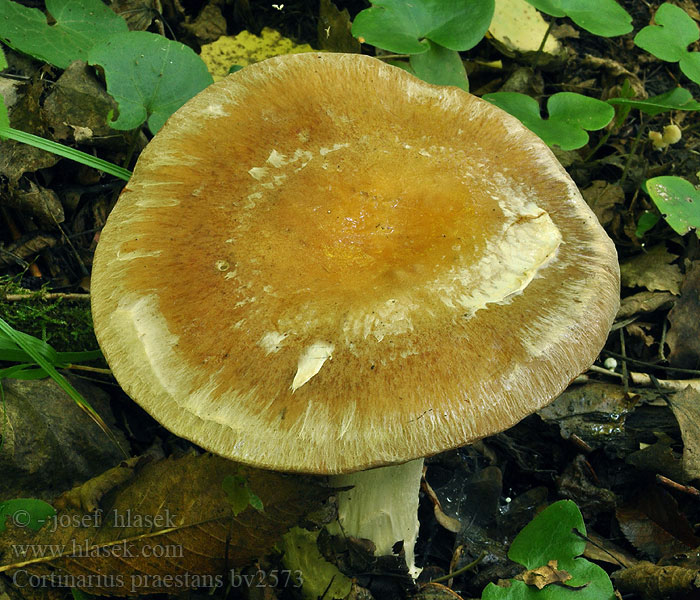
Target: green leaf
pixel 669 39
pixel 4 116
pixel 553 8
pixel 605 18
pixel 647 220
pixel 79 25
pixel 11 351
pixel 25 512
pixel 239 494
pixel 42 354
pixel 149 76
pixel 440 66
pixel 677 200
pixel 405 27
pixel 3 60
pixel 24 371
pixel 570 115
pixel 675 99
pixel 550 536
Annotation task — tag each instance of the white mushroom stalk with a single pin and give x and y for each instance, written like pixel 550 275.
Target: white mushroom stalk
pixel 382 506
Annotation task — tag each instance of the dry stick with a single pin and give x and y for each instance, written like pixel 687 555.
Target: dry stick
pixel 662 342
pixel 602 370
pixel 89 369
pixel 625 377
pixel 686 489
pixel 46 296
pixel 76 254
pixel 667 385
pixel 650 365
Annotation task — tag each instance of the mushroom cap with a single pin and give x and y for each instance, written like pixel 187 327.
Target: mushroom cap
pixel 323 264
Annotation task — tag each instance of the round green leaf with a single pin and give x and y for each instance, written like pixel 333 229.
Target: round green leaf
pixel 440 66
pixel 669 39
pixel 570 115
pixel 149 76
pixel 605 18
pixel 678 201
pixel 578 110
pixel 405 27
pixel 601 17
pixel 549 7
pixel 549 536
pixel 690 66
pixel 647 220
pixel 79 24
pixel 25 512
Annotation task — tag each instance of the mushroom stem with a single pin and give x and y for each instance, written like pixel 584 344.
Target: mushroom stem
pixel 382 506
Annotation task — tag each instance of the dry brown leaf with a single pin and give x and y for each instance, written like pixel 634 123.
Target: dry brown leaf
pixel 545 575
pixel 604 198
pixel 653 524
pixel 686 408
pixel 334 29
pixel 601 549
pixel 87 496
pixel 644 302
pixel 208 26
pixel 169 529
pixel 449 523
pixel 653 582
pixel 652 270
pixel 639 331
pixel 618 72
pixel 595 412
pixel 42 203
pixel 691 7
pixel 684 334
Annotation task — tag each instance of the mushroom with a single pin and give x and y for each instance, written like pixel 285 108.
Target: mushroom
pixel 324 265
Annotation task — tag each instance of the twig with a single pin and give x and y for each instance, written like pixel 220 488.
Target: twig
pixel 603 371
pixel 45 296
pixel 686 489
pixel 651 365
pixel 670 385
pixel 90 369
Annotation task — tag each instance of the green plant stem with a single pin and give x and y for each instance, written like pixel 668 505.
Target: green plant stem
pixel 464 569
pixel 633 150
pixel 65 152
pixel 598 146
pixel 538 54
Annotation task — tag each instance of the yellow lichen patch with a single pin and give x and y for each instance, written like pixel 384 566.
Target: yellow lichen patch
pixel 245 48
pixel 518 28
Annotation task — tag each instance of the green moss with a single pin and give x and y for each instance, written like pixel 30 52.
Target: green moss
pixel 66 325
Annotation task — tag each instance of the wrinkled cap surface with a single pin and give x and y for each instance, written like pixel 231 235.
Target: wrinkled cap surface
pixel 323 264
